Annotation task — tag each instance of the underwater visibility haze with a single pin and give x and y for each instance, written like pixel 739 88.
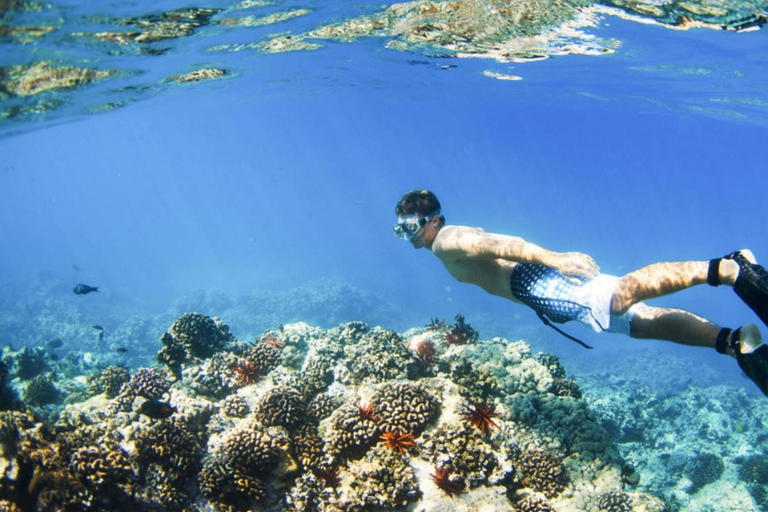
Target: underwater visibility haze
pixel 226 175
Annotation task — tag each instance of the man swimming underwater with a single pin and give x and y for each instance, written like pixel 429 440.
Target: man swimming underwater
pixel 561 287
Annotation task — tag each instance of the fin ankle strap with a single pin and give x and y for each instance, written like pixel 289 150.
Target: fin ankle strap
pixel 721 342
pixel 713 272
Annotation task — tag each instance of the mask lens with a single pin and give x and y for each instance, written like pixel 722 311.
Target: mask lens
pixel 407 228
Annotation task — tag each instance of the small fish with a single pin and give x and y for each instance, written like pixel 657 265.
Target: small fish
pixel 82 289
pixel 53 357
pixel 101 336
pixel 157 409
pixel 98 327
pixel 121 350
pixel 75 268
pixel 55 343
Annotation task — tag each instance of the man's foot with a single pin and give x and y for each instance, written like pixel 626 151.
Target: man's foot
pixel 726 270
pixel 751 354
pixel 749 281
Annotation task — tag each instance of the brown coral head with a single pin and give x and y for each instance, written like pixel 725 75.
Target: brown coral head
pixel 397 441
pixel 450 486
pixel 481 414
pixel 366 411
pixel 456 337
pixel 247 372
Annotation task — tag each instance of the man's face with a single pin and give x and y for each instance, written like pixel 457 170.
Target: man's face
pixel 414 229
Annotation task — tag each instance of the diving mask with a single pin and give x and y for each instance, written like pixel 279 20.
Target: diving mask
pixel 408 226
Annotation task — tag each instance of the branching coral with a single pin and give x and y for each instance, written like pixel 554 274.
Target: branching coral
pixel 229 488
pixel 149 383
pixel 234 406
pixel 111 380
pixel 250 449
pixel 533 503
pixel 405 407
pixel 542 471
pixel 614 501
pixel 282 406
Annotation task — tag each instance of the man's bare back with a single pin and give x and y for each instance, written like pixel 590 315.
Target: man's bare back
pixel 484 259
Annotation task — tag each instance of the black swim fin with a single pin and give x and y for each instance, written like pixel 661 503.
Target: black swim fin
pixel 755 365
pixel 752 285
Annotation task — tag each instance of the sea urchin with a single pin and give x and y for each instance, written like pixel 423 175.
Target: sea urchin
pixel 442 479
pixel 397 441
pixel 481 414
pixel 247 372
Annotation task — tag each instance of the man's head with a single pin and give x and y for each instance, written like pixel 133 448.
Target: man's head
pixel 418 218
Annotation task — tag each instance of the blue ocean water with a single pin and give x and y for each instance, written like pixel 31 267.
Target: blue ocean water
pixel 281 178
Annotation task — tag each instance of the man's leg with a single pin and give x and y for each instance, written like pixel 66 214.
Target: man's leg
pixel 684 327
pixel 675 325
pixel 664 278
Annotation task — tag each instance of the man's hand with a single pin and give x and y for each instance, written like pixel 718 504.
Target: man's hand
pixel 576 264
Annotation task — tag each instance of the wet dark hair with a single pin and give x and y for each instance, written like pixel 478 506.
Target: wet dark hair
pixel 418 202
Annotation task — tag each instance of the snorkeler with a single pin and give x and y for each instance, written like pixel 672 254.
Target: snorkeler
pixel 561 287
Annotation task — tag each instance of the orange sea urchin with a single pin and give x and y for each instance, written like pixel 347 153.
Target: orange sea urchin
pixel 481 414
pixel 247 372
pixel 397 441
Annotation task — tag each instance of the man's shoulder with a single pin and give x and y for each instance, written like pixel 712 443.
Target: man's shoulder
pixel 452 238
pixel 452 229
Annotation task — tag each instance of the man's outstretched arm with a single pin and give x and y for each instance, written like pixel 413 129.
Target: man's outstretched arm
pixel 457 242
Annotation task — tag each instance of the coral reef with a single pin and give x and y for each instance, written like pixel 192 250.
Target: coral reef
pixel 338 420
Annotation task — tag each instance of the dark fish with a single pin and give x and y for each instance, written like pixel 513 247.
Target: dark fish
pixel 55 343
pixel 101 335
pixel 98 327
pixel 53 357
pixel 75 268
pixel 121 350
pixel 82 289
pixel 157 409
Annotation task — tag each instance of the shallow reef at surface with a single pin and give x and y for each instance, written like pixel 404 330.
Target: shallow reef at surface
pixel 361 418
